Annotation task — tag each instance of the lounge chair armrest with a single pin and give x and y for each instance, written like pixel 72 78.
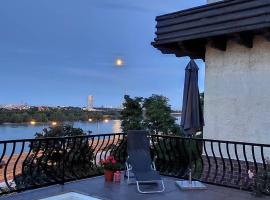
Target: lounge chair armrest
pixel 154 159
pixel 128 166
pixel 153 166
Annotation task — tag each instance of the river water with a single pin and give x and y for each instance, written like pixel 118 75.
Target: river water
pixel 27 131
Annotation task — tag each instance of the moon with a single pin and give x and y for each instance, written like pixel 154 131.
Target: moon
pixel 119 62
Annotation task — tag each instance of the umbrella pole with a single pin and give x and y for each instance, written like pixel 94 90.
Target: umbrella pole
pixel 189 184
pixel 189 160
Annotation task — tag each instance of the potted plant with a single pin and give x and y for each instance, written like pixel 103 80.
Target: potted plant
pixel 110 165
pixel 261 180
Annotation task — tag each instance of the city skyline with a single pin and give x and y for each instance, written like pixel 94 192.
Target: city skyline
pixel 57 55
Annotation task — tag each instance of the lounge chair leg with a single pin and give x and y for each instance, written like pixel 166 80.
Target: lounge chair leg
pixel 128 176
pixel 148 192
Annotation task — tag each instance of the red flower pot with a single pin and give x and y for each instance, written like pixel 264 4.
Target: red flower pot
pixel 108 174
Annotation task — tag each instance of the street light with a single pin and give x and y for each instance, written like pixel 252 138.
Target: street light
pixel 90 120
pixel 33 122
pixel 54 123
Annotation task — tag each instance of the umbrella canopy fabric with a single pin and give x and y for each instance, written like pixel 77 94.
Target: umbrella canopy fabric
pixel 192 119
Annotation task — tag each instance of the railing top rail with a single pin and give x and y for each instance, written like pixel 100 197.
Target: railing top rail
pixel 153 135
pixel 60 138
pixel 213 140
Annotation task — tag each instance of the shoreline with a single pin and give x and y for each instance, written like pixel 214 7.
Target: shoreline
pixel 50 122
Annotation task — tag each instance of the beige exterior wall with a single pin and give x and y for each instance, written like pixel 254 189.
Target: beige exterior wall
pixel 237 93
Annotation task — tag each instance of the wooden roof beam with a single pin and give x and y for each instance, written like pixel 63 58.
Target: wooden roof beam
pixel 219 43
pixel 245 39
pixel 172 48
pixel 193 49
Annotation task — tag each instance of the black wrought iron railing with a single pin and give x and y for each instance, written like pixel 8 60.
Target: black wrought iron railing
pixel 225 163
pixel 33 163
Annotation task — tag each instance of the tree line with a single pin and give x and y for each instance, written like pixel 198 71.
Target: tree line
pixel 54 114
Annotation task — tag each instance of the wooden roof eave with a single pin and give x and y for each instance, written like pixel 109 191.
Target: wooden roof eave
pixel 186 33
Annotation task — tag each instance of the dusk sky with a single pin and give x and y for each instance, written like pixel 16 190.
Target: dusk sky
pixel 56 52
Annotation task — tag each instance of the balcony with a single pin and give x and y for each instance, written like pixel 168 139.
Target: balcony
pixel 96 187
pixel 58 165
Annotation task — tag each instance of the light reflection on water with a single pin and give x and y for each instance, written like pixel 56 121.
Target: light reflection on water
pixel 27 131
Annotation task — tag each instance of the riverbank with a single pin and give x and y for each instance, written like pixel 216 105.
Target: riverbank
pixel 13 131
pixel 58 114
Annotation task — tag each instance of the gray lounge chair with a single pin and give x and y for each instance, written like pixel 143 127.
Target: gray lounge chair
pixel 139 162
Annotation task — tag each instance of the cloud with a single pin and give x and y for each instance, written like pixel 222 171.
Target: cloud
pixel 93 73
pixel 155 6
pixel 137 6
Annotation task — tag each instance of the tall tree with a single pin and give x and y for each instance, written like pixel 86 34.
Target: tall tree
pixel 131 114
pixel 157 116
pixel 202 99
pixel 75 154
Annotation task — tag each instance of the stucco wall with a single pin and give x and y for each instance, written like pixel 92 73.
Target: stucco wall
pixel 237 93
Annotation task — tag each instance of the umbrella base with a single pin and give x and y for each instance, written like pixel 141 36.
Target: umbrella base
pixel 193 185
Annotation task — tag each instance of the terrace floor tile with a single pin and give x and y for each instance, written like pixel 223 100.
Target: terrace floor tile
pixel 96 187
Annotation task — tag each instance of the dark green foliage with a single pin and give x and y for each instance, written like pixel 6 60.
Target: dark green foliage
pixel 158 118
pixel 60 131
pixel 119 151
pixel 153 114
pixel 131 115
pixel 171 156
pixel 54 114
pixel 202 99
pixel 262 182
pixel 50 157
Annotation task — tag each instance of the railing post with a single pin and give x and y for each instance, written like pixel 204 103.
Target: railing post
pixel 63 161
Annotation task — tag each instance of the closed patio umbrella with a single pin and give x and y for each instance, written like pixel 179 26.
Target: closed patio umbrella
pixel 192 116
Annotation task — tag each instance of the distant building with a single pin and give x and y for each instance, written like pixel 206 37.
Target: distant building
pixel 43 108
pixel 16 106
pixel 90 100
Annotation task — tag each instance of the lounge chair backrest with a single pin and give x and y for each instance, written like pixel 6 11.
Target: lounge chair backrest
pixel 139 150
